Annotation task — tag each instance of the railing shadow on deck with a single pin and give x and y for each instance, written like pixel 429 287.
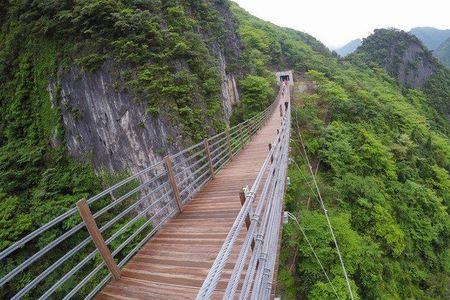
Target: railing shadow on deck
pixel 65 256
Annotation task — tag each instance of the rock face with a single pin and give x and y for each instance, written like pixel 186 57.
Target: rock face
pixel 230 94
pixel 107 127
pixel 402 55
pixel 228 56
pixel 415 68
pixel 114 132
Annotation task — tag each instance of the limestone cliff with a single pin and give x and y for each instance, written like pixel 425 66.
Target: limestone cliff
pixel 401 54
pixel 116 132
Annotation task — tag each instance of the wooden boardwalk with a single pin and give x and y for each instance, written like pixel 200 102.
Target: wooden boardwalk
pixel 175 262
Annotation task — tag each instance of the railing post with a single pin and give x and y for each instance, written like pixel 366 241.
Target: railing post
pixel 94 232
pixel 173 183
pixel 241 133
pixel 208 156
pixel 230 152
pixel 271 156
pixel 247 217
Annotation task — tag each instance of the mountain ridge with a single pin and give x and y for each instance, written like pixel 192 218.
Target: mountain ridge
pixel 380 145
pixel 434 39
pixel 443 53
pixel 349 48
pixel 405 58
pixel 431 37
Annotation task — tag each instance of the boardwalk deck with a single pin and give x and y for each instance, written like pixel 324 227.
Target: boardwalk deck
pixel 175 262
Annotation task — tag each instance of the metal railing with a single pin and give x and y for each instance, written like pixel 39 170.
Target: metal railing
pixel 63 255
pixel 255 265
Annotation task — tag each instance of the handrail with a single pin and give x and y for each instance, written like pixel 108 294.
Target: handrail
pixel 257 256
pixel 148 203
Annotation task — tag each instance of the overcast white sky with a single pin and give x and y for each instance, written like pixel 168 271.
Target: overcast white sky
pixel 337 22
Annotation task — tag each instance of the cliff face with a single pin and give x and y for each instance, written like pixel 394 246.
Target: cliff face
pixel 106 127
pixel 415 68
pixel 113 130
pixel 405 58
pixel 401 54
pixel 228 56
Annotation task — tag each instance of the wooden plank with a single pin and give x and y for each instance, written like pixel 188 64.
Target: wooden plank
pixel 173 183
pixel 179 256
pixel 208 156
pixel 88 219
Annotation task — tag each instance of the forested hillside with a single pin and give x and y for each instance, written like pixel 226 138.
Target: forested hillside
pixel 443 53
pixel 431 37
pixel 381 149
pixel 151 72
pixel 405 58
pixel 383 170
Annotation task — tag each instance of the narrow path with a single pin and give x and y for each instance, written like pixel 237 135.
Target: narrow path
pixel 175 262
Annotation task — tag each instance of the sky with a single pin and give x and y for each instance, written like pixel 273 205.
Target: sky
pixel 335 23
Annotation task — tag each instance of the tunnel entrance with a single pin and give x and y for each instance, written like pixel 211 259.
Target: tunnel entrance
pixel 284 78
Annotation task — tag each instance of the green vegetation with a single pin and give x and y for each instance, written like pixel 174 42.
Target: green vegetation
pixel 160 55
pixel 383 155
pixel 443 53
pixel 267 48
pixel 385 178
pixel 256 95
pixel 383 150
pixel 160 49
pixel 396 51
pixel 405 58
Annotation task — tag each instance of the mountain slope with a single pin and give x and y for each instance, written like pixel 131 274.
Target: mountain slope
pixel 404 57
pixel 383 172
pixel 443 53
pixel 348 48
pixel 91 91
pixel 431 37
pixel 164 69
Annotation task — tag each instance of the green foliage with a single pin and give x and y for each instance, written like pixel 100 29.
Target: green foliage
pixel 383 163
pixel 384 172
pixel 159 49
pixel 404 57
pixel 256 94
pixel 384 152
pixel 160 53
pixel 437 90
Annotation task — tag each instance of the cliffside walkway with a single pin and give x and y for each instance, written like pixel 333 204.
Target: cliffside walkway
pixel 174 263
pixel 204 223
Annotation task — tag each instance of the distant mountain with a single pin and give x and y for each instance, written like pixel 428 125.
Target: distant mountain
pixel 431 37
pixel 443 53
pixel 349 47
pixel 402 55
pixel 405 58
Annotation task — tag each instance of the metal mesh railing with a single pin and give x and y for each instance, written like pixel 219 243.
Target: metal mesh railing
pixel 254 269
pixel 61 254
